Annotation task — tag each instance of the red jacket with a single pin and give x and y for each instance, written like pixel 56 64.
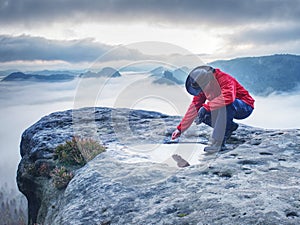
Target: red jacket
pixel 221 91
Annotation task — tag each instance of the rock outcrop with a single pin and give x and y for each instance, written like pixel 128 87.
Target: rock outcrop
pixel 105 72
pixel 166 76
pixel 256 181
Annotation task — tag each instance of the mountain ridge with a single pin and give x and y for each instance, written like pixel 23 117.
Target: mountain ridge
pixel 261 75
pixel 264 74
pixel 19 76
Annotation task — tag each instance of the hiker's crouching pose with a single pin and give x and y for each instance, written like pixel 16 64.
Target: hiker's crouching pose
pixel 218 99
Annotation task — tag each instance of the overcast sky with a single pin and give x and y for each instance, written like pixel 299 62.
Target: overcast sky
pixel 76 31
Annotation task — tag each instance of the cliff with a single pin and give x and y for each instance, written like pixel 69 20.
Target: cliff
pixel 256 181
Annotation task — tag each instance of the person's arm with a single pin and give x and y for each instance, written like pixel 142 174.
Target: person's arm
pixel 227 96
pixel 191 112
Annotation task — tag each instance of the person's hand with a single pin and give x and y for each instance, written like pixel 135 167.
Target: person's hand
pixel 200 117
pixel 176 134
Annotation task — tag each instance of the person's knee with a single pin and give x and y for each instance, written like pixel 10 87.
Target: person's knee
pixel 207 119
pixel 241 109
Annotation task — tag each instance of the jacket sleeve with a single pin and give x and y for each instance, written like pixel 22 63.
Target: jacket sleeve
pixel 191 112
pixel 227 96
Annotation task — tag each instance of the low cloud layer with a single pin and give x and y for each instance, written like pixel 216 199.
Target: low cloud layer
pixel 28 48
pixel 37 48
pixel 32 101
pixel 42 53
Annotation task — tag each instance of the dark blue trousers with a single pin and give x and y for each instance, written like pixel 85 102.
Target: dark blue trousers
pixel 222 119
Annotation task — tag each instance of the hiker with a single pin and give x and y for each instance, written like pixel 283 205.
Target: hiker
pixel 218 99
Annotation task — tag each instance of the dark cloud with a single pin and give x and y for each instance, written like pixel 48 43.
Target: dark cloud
pixel 242 18
pixel 205 12
pixel 263 40
pixel 266 36
pixel 37 48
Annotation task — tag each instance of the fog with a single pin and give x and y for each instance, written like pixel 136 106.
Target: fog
pixel 276 111
pixel 23 104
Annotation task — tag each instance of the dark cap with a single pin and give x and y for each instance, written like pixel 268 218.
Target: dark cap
pixel 198 78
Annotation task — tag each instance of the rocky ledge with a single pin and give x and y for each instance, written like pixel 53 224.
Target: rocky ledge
pixel 256 181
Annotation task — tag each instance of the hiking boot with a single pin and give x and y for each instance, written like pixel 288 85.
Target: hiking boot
pixel 233 128
pixel 215 146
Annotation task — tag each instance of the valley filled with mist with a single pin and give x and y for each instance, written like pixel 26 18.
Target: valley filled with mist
pixel 25 99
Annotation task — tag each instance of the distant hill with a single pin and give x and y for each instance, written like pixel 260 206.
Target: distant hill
pixel 166 76
pixel 105 72
pixel 181 74
pixel 4 73
pixel 50 72
pixel 19 76
pixel 158 72
pixel 264 75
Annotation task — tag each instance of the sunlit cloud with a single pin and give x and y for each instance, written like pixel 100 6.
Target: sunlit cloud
pixel 212 28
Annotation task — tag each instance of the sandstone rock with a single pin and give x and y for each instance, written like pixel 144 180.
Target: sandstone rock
pixel 256 181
